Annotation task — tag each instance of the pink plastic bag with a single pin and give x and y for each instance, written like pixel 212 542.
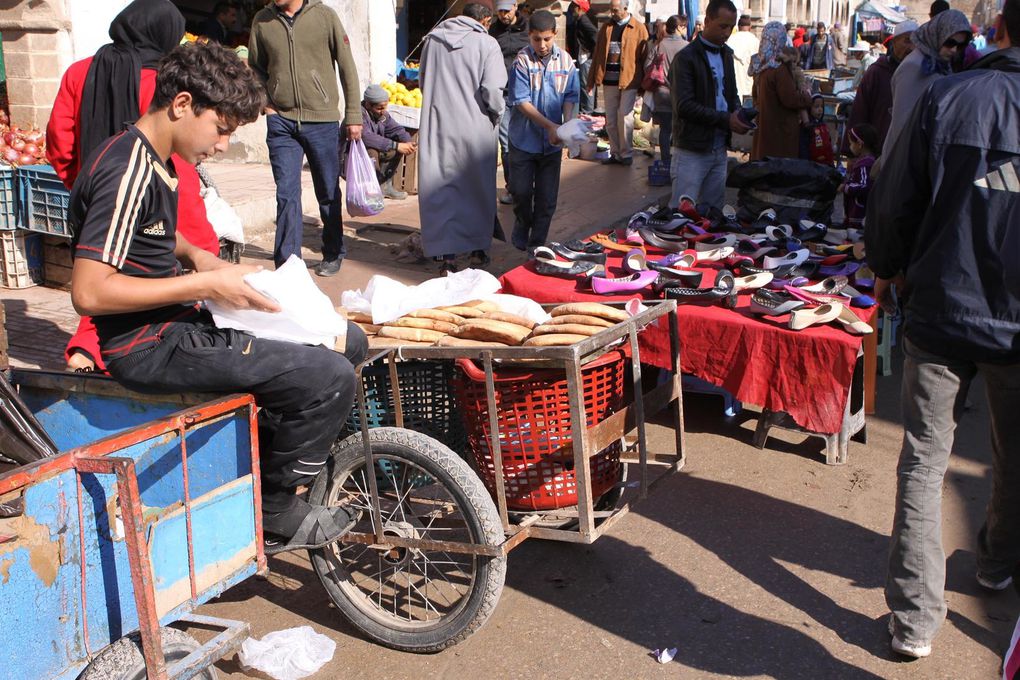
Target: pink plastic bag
pixel 364 197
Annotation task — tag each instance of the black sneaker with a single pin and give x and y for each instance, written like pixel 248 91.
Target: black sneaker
pixel 329 267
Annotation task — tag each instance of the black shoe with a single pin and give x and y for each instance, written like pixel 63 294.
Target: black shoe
pixel 447 266
pixel 329 267
pixel 725 290
pixel 612 160
pixel 479 258
pixel 627 161
pixel 570 254
pixel 306 527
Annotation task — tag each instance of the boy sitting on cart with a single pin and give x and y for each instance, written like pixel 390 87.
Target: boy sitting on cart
pixel 152 334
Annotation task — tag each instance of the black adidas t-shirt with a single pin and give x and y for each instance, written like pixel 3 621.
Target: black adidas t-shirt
pixel 123 212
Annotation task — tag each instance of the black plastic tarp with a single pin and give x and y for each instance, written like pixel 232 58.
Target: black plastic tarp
pixel 797 189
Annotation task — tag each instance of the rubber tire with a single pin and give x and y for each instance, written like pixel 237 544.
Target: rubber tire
pixel 481 516
pixel 123 659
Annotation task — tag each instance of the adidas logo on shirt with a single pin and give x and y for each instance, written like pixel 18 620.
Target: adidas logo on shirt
pixel 1003 178
pixel 156 229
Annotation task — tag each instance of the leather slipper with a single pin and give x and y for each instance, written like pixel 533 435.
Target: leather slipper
pixel 606 242
pixel 723 290
pixel 773 303
pixel 752 282
pixel 666 242
pixel 853 323
pixel 569 254
pixel 802 318
pixel 626 284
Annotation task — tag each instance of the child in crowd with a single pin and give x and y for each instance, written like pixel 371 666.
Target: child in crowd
pixel 543 91
pixel 815 141
pixel 863 146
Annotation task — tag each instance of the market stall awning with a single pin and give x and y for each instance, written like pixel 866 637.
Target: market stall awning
pixel 877 10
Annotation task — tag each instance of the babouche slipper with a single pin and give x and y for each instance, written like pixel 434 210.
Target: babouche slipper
pixel 724 290
pixel 802 318
pixel 773 302
pixel 626 284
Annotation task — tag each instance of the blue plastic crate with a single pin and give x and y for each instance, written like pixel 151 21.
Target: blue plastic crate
pixel 44 200
pixel 8 200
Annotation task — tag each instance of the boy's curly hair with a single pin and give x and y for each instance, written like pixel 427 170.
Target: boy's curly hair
pixel 216 79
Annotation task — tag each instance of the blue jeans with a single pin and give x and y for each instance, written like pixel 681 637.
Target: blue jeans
pixel 664 119
pixel 289 142
pixel 587 101
pixel 535 185
pixel 934 392
pixel 504 145
pixel 702 176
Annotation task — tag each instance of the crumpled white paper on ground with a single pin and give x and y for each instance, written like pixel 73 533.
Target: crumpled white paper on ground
pixel 386 299
pixel 307 315
pixel 289 654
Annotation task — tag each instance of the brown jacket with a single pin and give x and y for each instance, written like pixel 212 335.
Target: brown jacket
pixel 632 55
pixel 778 102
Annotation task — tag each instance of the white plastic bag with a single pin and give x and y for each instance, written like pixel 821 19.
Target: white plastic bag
pixel 573 134
pixel 289 654
pixel 224 219
pixel 364 196
pixel 387 299
pixel 307 315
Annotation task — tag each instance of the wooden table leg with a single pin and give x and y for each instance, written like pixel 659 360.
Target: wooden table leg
pixel 870 366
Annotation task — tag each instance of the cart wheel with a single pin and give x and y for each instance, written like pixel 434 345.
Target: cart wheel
pixel 123 659
pixel 411 599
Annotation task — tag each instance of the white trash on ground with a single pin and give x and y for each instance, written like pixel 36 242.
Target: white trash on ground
pixel 307 315
pixel 289 654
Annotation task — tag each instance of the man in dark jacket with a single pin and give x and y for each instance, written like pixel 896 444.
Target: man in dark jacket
pixel 873 103
pixel 386 140
pixel 944 221
pixel 510 29
pixel 705 104
pixel 581 36
pixel 818 54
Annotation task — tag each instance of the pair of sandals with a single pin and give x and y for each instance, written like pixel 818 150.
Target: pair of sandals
pixel 807 309
pixel 579 263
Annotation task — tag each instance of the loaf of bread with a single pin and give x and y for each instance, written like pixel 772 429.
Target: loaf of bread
pixel 360 317
pixel 461 310
pixel 369 328
pixel 483 305
pixel 450 341
pixel 428 324
pixel 413 334
pixel 509 318
pixel 437 314
pixel 554 339
pixel 381 342
pixel 490 330
pixel 568 328
pixel 582 319
pixel 592 309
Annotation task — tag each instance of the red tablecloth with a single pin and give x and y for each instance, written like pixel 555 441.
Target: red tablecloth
pixel 804 373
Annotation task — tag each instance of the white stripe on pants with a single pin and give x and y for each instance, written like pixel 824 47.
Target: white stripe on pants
pixel 620 120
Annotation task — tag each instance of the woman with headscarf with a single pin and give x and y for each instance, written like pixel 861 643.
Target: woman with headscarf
pixel 937 44
pixel 98 96
pixel 776 96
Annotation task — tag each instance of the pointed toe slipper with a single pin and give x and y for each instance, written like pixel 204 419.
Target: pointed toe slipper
pixel 802 318
pixel 635 261
pixel 793 258
pixel 853 323
pixel 773 303
pixel 752 282
pixel 627 284
pixel 715 254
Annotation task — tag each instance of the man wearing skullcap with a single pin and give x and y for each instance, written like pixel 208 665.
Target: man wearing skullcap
pixel 385 139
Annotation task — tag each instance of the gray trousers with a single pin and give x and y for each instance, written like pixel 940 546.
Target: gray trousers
pixel 933 395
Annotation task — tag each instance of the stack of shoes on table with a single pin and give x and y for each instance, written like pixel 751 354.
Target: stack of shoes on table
pixel 480 323
pixel 806 267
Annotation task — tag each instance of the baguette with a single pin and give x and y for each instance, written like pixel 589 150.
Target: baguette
pixel 491 330
pixel 378 341
pixel 554 340
pixel 369 328
pixel 568 328
pixel 428 324
pixel 483 305
pixel 460 310
pixel 437 314
pixel 592 309
pixel 414 334
pixel 360 317
pixel 450 341
pixel 583 319
pixel 509 318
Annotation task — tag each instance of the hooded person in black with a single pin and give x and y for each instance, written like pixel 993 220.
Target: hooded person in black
pixel 143 33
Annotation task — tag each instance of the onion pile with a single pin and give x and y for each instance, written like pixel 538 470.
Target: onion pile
pixel 21 147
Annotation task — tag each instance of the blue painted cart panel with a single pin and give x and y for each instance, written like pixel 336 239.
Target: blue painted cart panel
pixel 53 618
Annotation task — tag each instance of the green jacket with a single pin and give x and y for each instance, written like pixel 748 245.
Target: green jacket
pixel 296 63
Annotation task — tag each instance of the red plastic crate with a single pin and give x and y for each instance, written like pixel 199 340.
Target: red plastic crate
pixel 535 430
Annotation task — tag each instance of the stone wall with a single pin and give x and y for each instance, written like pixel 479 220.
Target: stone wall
pixel 37 48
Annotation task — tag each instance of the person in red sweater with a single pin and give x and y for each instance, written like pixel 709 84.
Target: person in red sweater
pixel 97 97
pixel 815 141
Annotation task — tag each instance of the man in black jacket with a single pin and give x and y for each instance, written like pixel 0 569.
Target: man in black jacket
pixel 581 36
pixel 705 105
pixel 944 223
pixel 510 29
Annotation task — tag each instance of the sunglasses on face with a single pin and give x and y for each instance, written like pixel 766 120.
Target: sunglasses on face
pixel 954 44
